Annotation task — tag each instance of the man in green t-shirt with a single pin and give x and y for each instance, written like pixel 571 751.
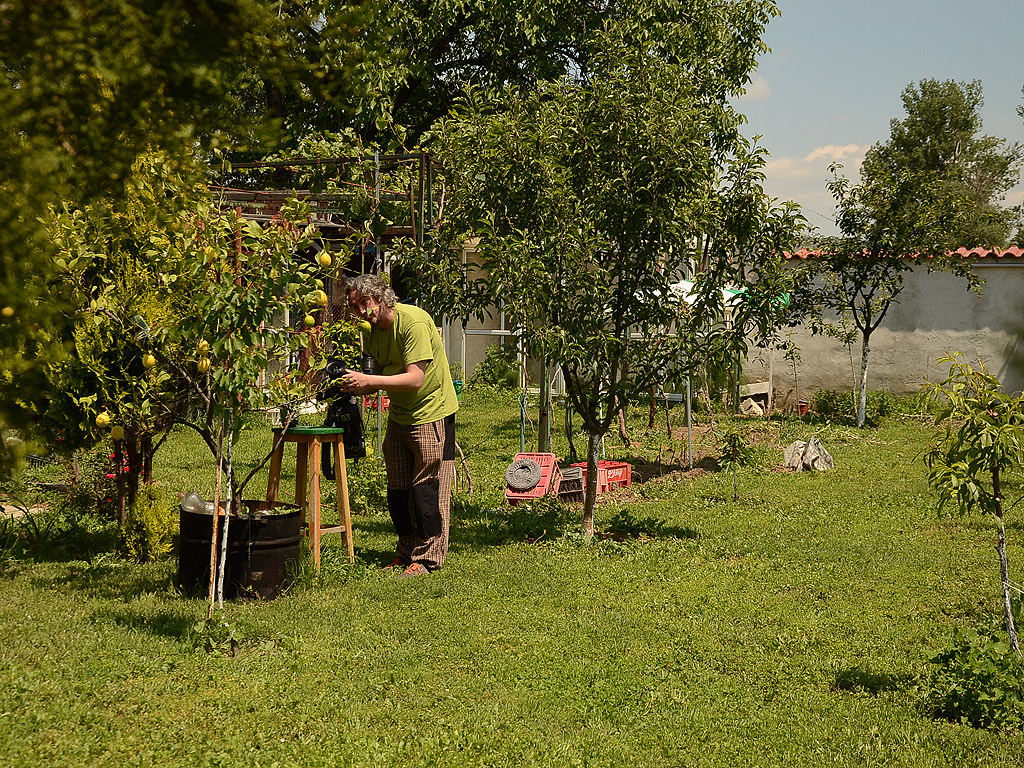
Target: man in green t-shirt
pixel 419 445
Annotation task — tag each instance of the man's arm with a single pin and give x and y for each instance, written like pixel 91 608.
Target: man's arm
pixel 409 380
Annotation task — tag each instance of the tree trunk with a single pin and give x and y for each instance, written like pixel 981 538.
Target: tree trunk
pixel 862 387
pixel 134 467
pixel 147 458
pixel 590 499
pixel 1004 565
pixel 623 431
pixel 122 496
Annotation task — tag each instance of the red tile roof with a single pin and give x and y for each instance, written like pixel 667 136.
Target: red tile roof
pixel 1014 252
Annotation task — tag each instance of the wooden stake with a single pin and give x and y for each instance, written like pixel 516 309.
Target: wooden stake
pixel 216 520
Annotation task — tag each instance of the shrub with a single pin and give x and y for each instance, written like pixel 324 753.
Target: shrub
pixel 977 681
pixel 842 406
pixel 499 368
pixel 367 485
pixel 916 404
pixel 150 526
pixel 95 490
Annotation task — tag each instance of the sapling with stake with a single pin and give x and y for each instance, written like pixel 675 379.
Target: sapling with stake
pixel 983 442
pixel 736 453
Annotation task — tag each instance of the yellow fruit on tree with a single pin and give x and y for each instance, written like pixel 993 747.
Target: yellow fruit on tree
pixel 203 346
pixel 149 360
pixel 309 321
pixel 324 259
pixel 7 311
pixel 103 420
pixel 117 432
pixel 203 365
pixel 363 326
pixel 321 298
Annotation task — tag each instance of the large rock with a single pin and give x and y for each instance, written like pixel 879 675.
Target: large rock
pixel 808 455
pixel 749 407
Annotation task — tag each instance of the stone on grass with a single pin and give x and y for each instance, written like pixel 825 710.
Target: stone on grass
pixel 750 407
pixel 808 455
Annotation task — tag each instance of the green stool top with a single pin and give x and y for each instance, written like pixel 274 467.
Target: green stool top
pixel 313 430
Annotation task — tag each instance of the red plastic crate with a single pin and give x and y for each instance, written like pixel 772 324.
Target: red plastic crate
pixel 370 401
pixel 550 478
pixel 610 474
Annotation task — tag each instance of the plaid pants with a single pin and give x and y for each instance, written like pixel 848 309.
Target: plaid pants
pixel 420 462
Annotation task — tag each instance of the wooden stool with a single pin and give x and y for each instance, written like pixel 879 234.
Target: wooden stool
pixel 307 482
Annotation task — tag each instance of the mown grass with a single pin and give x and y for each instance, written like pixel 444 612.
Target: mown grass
pixel 786 629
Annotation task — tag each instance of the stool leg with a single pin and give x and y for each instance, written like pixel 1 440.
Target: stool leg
pixel 274 480
pixel 344 513
pixel 301 479
pixel 313 471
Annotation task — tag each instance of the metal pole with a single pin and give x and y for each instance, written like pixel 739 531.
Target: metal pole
pixel 544 416
pixel 378 269
pixel 689 425
pixel 419 203
pixel 522 422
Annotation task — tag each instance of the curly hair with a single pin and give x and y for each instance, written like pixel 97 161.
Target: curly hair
pixel 372 285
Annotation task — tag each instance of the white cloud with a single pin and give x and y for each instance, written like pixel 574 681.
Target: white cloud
pixel 789 168
pixel 757 90
pixel 803 179
pixel 834 153
pixel 815 165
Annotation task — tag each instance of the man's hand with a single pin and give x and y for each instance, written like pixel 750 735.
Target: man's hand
pixel 355 381
pixel 409 380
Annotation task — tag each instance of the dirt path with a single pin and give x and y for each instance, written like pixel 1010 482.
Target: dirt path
pixel 12 510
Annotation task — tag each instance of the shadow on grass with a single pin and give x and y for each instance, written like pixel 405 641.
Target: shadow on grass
pixel 111 580
pixel 547 518
pixel 47 537
pixel 625 525
pixel 376 557
pixel 865 681
pixel 475 526
pixel 163 623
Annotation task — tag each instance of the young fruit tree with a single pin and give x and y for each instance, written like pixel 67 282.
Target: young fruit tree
pixel 933 187
pixel 735 454
pixel 981 446
pixel 589 198
pixel 179 311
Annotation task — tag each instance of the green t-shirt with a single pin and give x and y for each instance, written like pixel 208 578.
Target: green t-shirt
pixel 412 337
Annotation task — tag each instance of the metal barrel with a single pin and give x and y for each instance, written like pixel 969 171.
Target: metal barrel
pixel 262 554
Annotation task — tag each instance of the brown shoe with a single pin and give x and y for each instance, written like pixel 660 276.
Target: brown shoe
pixel 414 570
pixel 396 563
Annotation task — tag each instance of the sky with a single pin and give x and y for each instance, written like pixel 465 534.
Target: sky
pixel 833 81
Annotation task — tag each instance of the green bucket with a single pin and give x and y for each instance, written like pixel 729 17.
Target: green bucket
pixel 458 389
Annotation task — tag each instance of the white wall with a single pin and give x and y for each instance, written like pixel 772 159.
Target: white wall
pixel 936 314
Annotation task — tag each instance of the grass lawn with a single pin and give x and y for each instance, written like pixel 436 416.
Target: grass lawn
pixel 787 629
